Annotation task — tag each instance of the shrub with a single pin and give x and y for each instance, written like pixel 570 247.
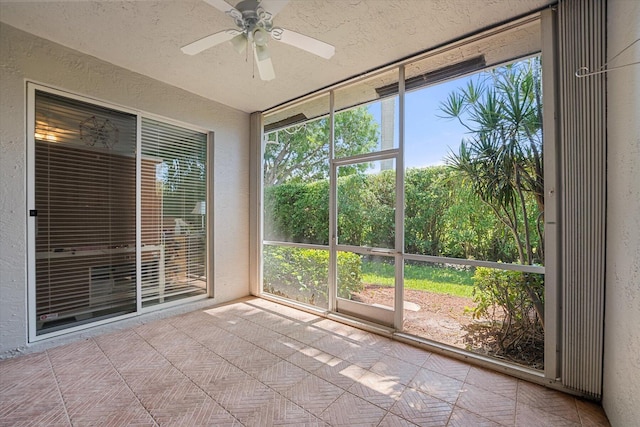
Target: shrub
pixel 502 296
pixel 302 274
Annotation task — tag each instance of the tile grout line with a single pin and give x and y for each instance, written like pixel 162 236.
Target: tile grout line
pixel 455 404
pixel 407 386
pixel 575 402
pixel 484 417
pixel 283 359
pixel 185 375
pixel 230 362
pixel 55 377
pixel 125 382
pixel 387 411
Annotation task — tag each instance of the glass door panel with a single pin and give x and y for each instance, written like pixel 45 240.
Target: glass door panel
pixel 85 197
pixel 173 212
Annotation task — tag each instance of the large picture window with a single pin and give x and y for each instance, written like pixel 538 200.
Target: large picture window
pixel 88 263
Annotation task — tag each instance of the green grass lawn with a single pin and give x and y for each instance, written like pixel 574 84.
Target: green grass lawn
pixel 442 280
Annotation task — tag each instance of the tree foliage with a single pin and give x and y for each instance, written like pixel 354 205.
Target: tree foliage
pixel 518 326
pixel 301 153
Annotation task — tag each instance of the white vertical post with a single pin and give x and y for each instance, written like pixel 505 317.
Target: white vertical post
pixel 399 258
pixel 256 140
pixel 552 350
pixel 333 210
pixel 209 256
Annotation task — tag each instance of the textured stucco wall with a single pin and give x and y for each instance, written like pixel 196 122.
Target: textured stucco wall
pixel 621 388
pixel 26 57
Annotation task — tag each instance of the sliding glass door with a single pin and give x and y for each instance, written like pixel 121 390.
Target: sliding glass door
pixel 117 212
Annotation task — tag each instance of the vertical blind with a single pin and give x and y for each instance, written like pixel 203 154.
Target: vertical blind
pixel 582 42
pixel 85 201
pixel 173 193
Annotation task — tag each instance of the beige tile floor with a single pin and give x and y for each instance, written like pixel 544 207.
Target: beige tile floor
pixel 257 363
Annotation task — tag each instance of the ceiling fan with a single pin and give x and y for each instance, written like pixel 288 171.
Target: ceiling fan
pixel 254 25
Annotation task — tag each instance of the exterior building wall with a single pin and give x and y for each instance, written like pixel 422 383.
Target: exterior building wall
pixel 621 385
pixel 24 57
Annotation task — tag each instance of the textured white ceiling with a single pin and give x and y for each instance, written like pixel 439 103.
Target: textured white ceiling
pixel 146 36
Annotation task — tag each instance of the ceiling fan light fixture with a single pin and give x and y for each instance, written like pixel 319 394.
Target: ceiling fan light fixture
pixel 260 37
pixel 239 42
pixel 262 53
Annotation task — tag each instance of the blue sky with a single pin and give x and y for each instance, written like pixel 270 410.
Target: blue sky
pixel 427 136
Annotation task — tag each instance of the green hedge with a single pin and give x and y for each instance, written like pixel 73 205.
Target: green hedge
pixel 442 215
pixel 301 274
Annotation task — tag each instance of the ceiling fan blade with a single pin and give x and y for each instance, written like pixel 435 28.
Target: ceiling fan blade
pixel 303 42
pixel 221 5
pixel 209 41
pixel 263 61
pixel 273 6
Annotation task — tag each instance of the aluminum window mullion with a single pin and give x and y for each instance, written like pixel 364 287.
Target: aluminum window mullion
pixel 332 292
pixel 537 269
pixel 138 208
pixel 296 245
pixel 367 157
pixel 32 222
pixel 399 226
pixel 366 250
pixel 553 333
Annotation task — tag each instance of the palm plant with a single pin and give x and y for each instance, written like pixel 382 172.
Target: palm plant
pixel 502 156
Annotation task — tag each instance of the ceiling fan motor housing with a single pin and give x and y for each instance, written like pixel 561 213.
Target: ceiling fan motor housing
pixel 252 17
